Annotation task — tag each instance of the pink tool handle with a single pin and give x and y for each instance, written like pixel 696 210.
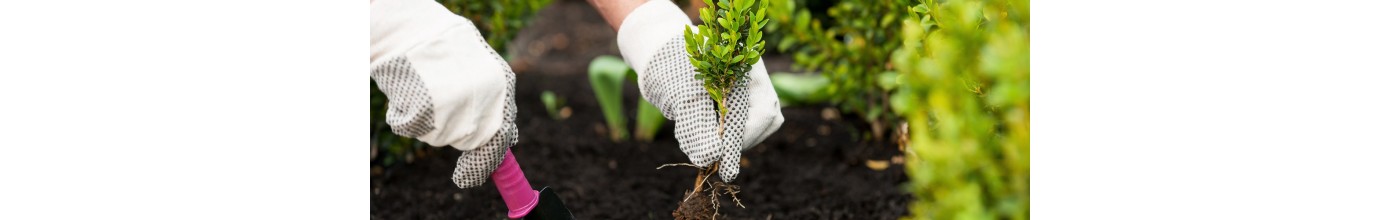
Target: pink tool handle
pixel 514 188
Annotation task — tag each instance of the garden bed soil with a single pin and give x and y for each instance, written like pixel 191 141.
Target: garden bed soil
pixel 814 167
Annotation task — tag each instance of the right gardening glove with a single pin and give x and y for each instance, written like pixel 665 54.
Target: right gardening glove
pixel 651 41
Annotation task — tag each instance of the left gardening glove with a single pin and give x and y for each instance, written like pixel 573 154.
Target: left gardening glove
pixel 445 85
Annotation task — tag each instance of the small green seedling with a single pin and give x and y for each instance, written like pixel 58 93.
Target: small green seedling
pixel 555 105
pixel 727 45
pixel 723 51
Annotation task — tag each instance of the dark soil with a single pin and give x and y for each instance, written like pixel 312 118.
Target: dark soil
pixel 697 205
pixel 811 168
pixel 702 202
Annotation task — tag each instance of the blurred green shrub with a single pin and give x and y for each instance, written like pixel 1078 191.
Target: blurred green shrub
pixel 498 22
pixel 965 91
pixel 852 52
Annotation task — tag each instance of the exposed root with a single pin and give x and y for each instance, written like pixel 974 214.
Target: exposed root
pixel 694 205
pixel 732 190
pixel 680 164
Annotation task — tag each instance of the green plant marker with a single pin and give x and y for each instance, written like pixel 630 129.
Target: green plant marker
pixel 649 121
pixel 796 89
pixel 606 74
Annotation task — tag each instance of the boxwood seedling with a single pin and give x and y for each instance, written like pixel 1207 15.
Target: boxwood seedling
pixel 727 45
pixel 723 50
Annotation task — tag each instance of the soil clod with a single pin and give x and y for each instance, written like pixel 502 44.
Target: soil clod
pixel 704 200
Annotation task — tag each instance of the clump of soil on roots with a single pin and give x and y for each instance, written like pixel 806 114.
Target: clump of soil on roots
pixel 703 201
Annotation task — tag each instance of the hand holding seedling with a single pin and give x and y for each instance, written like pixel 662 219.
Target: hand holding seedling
pixel 653 40
pixel 726 46
pixel 709 79
pixel 723 51
pixel 446 86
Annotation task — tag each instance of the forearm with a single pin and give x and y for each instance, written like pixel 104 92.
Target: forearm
pixel 614 11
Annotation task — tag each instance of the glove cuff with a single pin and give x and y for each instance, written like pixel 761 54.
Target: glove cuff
pixel 396 26
pixel 644 31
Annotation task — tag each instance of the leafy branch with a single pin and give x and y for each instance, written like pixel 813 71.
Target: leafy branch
pixel 727 45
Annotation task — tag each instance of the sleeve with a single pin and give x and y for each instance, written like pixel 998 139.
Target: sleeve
pixel 445 85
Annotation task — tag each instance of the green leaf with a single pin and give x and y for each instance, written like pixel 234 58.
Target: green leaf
pixel 803 18
pixel 690 42
pixel 786 43
pixel 888 80
pixel 762 14
pixel 714 93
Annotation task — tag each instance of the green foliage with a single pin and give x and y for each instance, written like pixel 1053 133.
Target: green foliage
pixel 800 89
pixel 965 91
pixel 853 52
pixel 727 45
pixel 498 22
pixel 607 74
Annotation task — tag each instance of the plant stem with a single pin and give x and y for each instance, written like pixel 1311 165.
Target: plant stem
pixel 722 114
pixel 704 174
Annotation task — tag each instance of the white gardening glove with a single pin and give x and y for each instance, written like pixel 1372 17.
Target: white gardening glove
pixel 651 41
pixel 445 85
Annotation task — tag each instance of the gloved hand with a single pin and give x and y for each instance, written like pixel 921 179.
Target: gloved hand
pixel 445 85
pixel 650 39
